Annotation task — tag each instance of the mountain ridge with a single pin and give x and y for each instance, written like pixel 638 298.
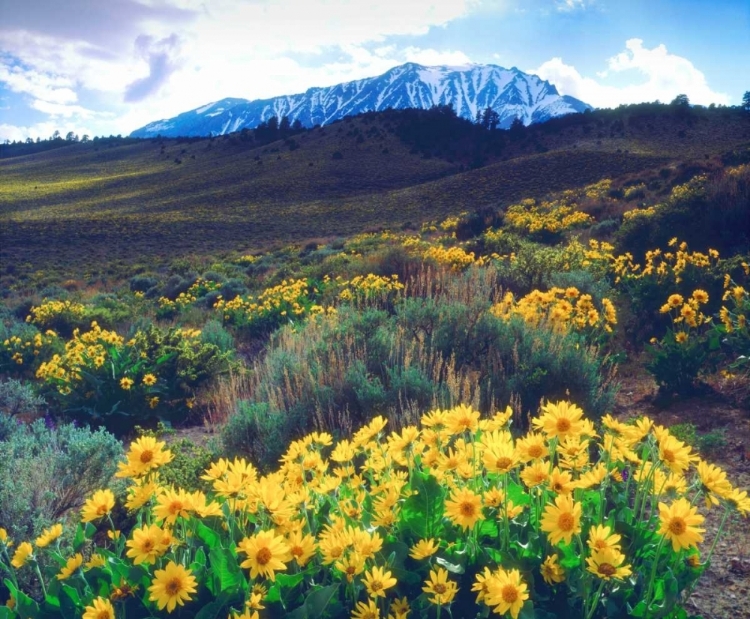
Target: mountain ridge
pixel 468 89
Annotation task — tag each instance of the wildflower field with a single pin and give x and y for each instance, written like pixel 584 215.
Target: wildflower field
pixel 431 420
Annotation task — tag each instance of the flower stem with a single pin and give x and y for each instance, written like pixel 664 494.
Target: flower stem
pixel 595 600
pixel 653 572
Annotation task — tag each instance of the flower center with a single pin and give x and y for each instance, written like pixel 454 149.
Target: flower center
pixel 605 569
pixel 467 509
pixel 101 509
pixel 173 586
pixel 510 594
pixel 103 614
pixel 148 545
pixel 175 507
pixel 297 551
pixel 376 585
pixel 566 522
pixel 263 556
pixel 504 463
pixel 668 455
pixel 146 456
pixel 563 425
pixel 677 526
pixel 439 588
pixel 535 451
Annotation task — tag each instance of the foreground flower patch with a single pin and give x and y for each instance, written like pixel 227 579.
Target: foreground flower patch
pixel 454 517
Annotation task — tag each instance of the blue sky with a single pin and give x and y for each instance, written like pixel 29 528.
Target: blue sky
pixel 110 66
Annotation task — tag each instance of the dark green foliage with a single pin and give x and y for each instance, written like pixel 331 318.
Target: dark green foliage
pixel 143 283
pixel 676 365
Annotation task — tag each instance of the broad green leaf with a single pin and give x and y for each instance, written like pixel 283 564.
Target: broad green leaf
pixel 318 600
pixel 422 512
pixel 225 571
pixel 25 606
pixel 289 581
pixel 209 536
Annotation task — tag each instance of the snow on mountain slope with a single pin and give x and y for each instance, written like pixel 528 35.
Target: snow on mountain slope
pixel 468 89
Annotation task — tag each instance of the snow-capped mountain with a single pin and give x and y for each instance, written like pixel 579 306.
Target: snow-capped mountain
pixel 468 89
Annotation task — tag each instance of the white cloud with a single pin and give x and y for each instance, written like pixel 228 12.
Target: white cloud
pixel 657 75
pixel 60 109
pixel 216 49
pixel 55 89
pixel 433 57
pixel 566 6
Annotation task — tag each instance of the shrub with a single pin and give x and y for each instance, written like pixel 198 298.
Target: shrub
pixel 257 431
pixel 17 398
pixel 436 350
pixel 48 470
pixel 103 379
pixel 143 283
pixel 214 333
pixel 187 466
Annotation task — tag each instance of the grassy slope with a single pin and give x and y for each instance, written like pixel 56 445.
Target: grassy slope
pixel 75 208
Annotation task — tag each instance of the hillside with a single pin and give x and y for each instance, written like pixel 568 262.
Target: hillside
pixel 156 199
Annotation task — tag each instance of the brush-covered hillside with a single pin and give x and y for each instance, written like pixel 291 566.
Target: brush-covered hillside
pixel 143 201
pixel 399 365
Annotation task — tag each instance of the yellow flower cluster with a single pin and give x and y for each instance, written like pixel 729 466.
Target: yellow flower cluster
pixel 686 312
pixel 637 213
pixel 695 186
pixel 450 224
pixel 554 216
pixel 455 257
pixel 45 313
pixel 633 190
pixel 332 507
pixel 89 349
pixel 287 298
pixel 561 308
pixel 368 287
pixel 197 290
pixel 664 266
pixel 247 259
pixel 735 319
pixel 598 191
pixel 22 351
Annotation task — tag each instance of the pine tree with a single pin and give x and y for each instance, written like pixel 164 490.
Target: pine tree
pixel 746 101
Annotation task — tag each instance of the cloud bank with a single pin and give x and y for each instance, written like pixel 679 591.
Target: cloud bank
pixel 660 76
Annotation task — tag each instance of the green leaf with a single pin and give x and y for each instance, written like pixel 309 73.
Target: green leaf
pixel 25 606
pixel 316 602
pixel 570 558
pixel 209 536
pixel 422 512
pixel 225 571
pixel 289 581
